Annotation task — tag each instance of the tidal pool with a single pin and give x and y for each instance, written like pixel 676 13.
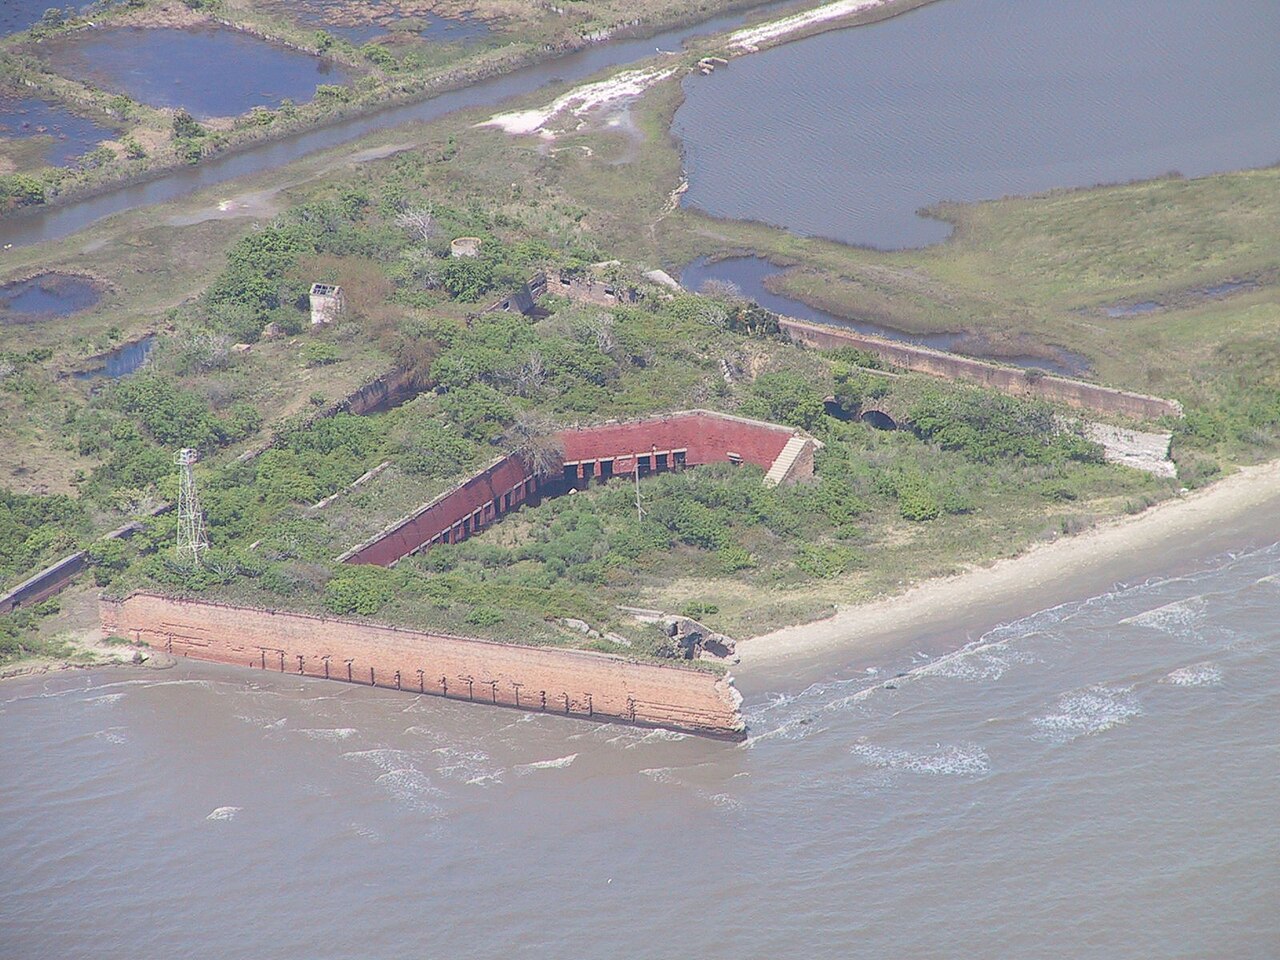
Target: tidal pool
pixel 46 296
pixel 120 362
pixel 66 135
pixel 211 72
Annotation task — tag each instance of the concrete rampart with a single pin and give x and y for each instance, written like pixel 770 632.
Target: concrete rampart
pixel 59 574
pixel 574 683
pixel 1017 382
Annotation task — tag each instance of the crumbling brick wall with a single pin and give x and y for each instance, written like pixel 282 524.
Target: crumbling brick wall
pixel 575 683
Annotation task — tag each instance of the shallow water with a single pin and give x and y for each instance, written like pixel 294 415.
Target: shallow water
pixel 167 67
pixel 18 15
pixel 121 361
pixel 24 117
pixel 1099 774
pixel 848 134
pixel 45 297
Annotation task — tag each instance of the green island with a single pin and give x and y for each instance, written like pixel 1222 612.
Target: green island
pixel 238 372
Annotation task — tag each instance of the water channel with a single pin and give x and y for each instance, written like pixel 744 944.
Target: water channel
pixel 51 224
pixel 847 135
pixel 749 275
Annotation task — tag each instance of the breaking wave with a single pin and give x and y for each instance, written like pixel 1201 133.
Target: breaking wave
pixel 1090 711
pixel 1195 675
pixel 557 764
pixel 963 760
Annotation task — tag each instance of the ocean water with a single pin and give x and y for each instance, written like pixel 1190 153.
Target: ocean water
pixel 848 134
pixel 1096 780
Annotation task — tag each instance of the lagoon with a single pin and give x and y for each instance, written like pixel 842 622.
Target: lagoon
pixel 848 134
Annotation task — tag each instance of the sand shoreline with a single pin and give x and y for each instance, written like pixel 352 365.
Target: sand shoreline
pixel 933 603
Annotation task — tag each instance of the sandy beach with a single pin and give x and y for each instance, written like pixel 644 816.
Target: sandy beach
pixel 1243 504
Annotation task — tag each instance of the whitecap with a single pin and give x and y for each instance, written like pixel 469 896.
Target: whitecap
pixel 957 760
pixel 557 764
pixel 335 734
pixel 1089 711
pixel 658 736
pixel 111 735
pixel 106 698
pixel 224 813
pixel 1196 675
pixel 1178 618
pixel 979 661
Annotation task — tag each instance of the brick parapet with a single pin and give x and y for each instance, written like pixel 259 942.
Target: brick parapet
pixel 576 683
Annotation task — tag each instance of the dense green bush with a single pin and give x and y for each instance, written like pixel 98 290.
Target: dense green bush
pixel 360 588
pixel 785 397
pixel 986 426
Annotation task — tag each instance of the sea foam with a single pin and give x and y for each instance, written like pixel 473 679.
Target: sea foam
pixel 1089 711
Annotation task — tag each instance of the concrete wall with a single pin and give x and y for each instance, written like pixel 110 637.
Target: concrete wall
pixel 58 575
pixel 45 583
pixel 570 682
pixel 1073 393
pixel 650 445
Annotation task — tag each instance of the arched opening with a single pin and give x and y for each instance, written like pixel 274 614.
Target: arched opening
pixel 878 419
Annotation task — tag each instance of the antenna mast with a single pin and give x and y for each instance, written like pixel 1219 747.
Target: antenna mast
pixel 192 538
pixel 639 509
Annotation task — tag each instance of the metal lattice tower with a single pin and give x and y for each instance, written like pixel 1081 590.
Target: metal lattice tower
pixel 192 538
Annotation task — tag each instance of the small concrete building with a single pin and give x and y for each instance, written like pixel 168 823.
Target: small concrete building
pixel 465 247
pixel 326 303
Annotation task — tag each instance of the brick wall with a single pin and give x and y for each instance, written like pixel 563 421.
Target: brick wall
pixel 699 436
pixel 572 682
pixel 1073 393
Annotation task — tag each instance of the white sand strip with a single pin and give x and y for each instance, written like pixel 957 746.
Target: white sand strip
pixel 751 38
pixel 579 101
pixel 1253 490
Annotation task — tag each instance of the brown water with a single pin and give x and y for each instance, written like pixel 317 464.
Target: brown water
pixel 1099 774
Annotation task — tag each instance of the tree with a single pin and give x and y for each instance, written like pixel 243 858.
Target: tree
pixel 419 223
pixel 534 439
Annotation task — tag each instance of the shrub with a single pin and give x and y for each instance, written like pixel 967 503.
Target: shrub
pixel 319 354
pixel 916 501
pixel 784 397
pixel 359 588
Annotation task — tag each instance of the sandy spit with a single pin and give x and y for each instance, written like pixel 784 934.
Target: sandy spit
pixel 579 101
pixel 1044 564
pixel 751 38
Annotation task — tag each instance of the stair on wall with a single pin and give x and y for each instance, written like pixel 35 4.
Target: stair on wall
pixel 785 461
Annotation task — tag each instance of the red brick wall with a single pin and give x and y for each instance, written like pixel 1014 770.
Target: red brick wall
pixel 707 437
pixel 1073 393
pixel 591 684
pixel 473 501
